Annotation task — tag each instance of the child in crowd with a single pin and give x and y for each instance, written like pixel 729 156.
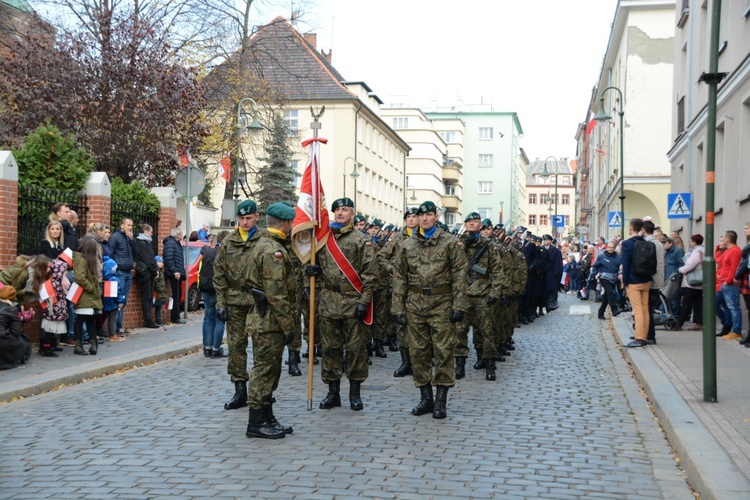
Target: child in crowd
pixel 15 346
pixel 112 304
pixel 85 267
pixel 55 312
pixel 160 291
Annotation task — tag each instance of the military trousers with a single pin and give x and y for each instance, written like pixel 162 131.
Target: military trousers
pixel 479 316
pixel 237 317
pixel 338 335
pixel 431 335
pixel 381 314
pixel 268 350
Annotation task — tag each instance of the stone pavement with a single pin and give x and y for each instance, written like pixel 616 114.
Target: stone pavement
pixel 565 419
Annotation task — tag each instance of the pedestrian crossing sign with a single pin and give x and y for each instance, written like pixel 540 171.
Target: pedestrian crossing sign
pixel 615 219
pixel 679 205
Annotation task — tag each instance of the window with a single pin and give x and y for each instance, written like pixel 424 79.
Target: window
pixel 543 220
pixel 450 219
pixel 294 164
pixel 485 133
pixel 485 160
pixel 291 122
pixel 532 198
pixel 532 220
pixel 450 190
pixel 565 199
pixel 485 187
pixel 400 122
pixel 485 213
pixel 566 180
pixel 448 136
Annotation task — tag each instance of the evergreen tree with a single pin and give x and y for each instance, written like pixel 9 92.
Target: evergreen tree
pixel 276 178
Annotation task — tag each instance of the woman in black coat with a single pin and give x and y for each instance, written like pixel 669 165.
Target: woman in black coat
pixel 53 243
pixel 146 271
pixel 174 269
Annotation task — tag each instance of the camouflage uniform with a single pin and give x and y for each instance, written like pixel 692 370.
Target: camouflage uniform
pixel 429 281
pixel 479 314
pixel 387 255
pixel 271 270
pixel 233 293
pixel 339 329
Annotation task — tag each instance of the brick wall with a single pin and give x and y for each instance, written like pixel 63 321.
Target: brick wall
pixel 8 221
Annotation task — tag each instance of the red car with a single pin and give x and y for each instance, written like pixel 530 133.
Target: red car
pixel 194 261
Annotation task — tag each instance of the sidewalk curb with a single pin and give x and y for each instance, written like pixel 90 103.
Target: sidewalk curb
pixel 32 386
pixel 710 470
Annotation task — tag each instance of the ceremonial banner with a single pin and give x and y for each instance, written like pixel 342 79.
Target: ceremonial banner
pixel 312 213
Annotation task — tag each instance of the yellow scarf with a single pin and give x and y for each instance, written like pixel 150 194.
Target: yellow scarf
pixel 278 233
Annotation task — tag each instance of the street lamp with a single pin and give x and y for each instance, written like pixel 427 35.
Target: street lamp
pixel 546 174
pixel 413 196
pixel 602 116
pixel 354 175
pixel 243 127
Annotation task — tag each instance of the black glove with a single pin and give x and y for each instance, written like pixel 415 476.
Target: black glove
pixel 360 312
pixel 456 316
pixel 389 293
pixel 311 270
pixel 491 300
pixel 399 319
pixel 289 337
pixel 221 314
pixel 306 293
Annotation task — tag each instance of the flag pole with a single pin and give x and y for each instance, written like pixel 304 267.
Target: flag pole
pixel 315 126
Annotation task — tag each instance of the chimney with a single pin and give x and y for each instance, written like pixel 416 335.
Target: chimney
pixel 312 39
pixel 327 57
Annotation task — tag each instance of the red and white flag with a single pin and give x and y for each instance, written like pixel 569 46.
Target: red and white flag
pixel 170 304
pixel 225 168
pixel 75 292
pixel 110 289
pixel 47 291
pixel 591 124
pixel 67 257
pixel 312 213
pixel 153 298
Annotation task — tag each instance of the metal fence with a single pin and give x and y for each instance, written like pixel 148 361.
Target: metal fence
pixel 34 207
pixel 139 214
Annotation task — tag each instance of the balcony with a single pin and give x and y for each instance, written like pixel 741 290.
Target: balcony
pixel 451 203
pixel 451 175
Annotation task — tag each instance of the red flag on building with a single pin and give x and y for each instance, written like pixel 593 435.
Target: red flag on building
pixel 225 168
pixel 591 124
pixel 312 213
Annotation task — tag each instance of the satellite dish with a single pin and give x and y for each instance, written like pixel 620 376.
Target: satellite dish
pixel 190 181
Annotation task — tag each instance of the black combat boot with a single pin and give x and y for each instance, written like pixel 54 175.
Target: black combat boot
pixel 94 346
pixel 480 362
pixel 294 370
pixel 355 400
pixel 460 367
pixel 370 349
pixel 489 368
pixel 268 410
pixel 441 399
pixel 405 368
pixel 426 403
pixel 258 426
pixel 333 398
pixel 509 346
pixel 392 344
pixel 378 349
pixel 78 349
pixel 240 396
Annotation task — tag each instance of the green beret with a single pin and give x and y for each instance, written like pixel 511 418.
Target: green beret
pixel 247 207
pixel 498 227
pixel 454 231
pixel 359 218
pixel 472 215
pixel 442 226
pixel 389 227
pixel 281 211
pixel 487 223
pixel 427 207
pixel 342 202
pixel 410 211
pixel 377 222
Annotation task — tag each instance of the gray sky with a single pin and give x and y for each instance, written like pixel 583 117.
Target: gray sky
pixel 539 58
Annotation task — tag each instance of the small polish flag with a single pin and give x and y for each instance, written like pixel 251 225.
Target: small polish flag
pixel 153 298
pixel 67 256
pixel 170 304
pixel 47 291
pixel 43 304
pixel 110 289
pixel 74 293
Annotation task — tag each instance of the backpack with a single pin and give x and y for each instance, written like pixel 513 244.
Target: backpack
pixel 206 274
pixel 644 259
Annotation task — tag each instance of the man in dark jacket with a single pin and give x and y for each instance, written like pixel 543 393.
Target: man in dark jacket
pixel 174 269
pixel 607 269
pixel 123 249
pixel 554 274
pixel 637 286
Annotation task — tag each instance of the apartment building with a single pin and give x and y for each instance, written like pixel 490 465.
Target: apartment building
pixel 549 191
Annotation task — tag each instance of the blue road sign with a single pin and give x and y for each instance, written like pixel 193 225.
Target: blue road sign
pixel 615 219
pixel 679 205
pixel 558 221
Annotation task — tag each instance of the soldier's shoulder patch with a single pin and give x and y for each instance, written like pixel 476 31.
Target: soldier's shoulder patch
pixel 368 243
pixel 278 255
pixel 460 244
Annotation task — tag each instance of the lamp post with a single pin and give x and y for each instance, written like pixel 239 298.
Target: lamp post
pixel 603 116
pixel 355 175
pixel 353 172
pixel 546 174
pixel 243 127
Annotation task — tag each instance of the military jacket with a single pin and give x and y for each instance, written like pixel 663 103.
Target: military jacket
pixel 487 271
pixel 231 267
pixel 429 263
pixel 388 253
pixel 272 270
pixel 361 254
pixel 520 274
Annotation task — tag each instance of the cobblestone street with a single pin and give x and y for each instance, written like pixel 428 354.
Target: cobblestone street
pixel 565 419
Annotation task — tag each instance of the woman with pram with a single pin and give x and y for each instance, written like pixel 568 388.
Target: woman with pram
pixel 606 269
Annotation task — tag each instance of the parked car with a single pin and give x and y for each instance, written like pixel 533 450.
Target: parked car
pixel 194 261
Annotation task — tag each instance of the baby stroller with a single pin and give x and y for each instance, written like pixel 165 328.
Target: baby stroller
pixel 667 294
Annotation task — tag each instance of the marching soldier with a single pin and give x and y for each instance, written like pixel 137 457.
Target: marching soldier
pixel 273 285
pixel 429 298
pixel 360 222
pixel 483 291
pixel 378 331
pixel 233 301
pixel 348 272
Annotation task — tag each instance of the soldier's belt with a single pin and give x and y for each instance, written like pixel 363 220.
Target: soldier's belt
pixel 438 290
pixel 344 287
